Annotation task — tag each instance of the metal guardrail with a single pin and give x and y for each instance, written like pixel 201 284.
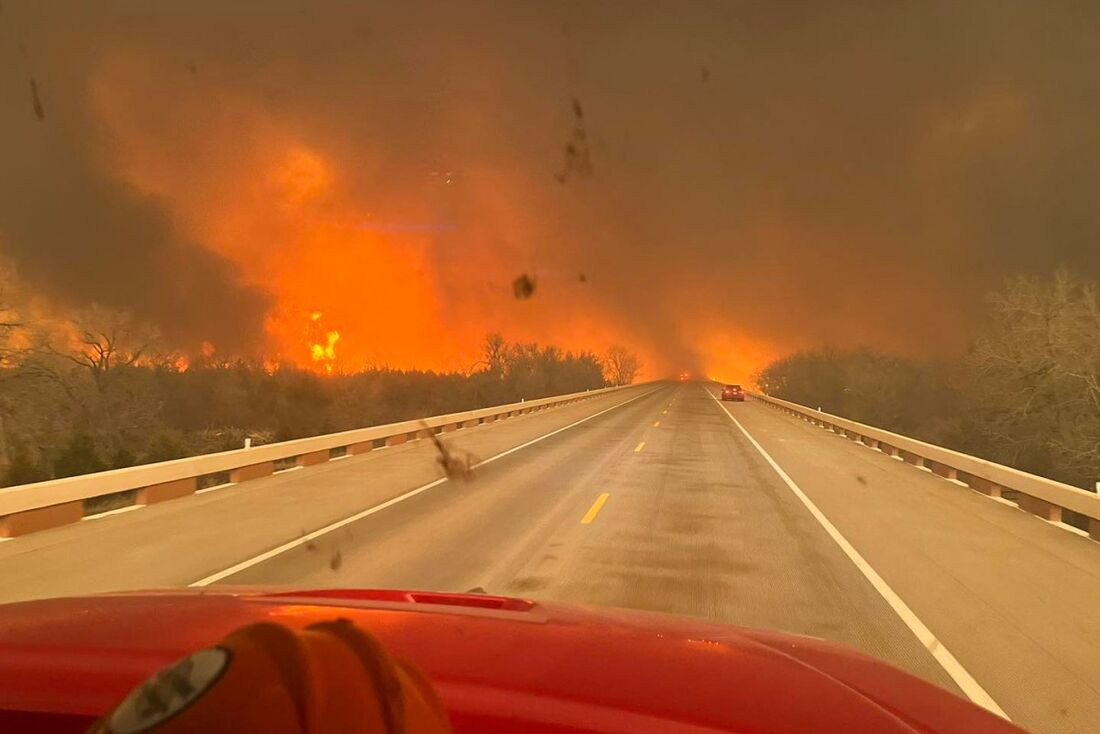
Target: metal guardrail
pixel 1040 496
pixel 31 507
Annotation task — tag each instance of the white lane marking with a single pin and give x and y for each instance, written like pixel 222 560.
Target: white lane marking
pixel 108 513
pixel 1070 528
pixel 943 656
pixel 215 487
pixel 296 467
pixel 278 550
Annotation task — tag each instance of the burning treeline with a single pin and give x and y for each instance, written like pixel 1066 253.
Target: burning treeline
pixel 97 389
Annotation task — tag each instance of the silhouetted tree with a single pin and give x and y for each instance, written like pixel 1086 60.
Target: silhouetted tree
pixel 95 359
pixel 899 394
pixel 1028 393
pixel 1035 377
pixel 622 366
pixel 495 351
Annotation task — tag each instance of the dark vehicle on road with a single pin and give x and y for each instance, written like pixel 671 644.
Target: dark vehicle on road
pixel 733 392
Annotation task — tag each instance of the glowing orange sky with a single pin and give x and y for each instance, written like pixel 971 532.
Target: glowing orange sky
pixel 408 257
pixel 226 174
pixel 283 211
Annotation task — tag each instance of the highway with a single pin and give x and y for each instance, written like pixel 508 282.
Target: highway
pixel 660 498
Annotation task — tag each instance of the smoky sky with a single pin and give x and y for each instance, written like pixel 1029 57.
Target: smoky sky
pixel 77 234
pixel 789 173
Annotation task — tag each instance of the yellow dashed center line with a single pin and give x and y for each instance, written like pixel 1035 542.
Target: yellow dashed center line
pixel 639 447
pixel 656 424
pixel 595 509
pixel 664 412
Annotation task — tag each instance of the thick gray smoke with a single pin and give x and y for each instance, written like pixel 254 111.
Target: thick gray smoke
pixel 75 232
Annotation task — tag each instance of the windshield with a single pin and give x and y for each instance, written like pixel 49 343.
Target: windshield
pixel 447 297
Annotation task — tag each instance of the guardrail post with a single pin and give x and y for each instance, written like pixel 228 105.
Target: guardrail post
pixel 984 486
pixel 313 457
pixel 1039 507
pixel 911 458
pixel 397 440
pixel 447 428
pixel 42 518
pixel 944 471
pixel 363 447
pixel 167 491
pixel 252 471
pixel 870 442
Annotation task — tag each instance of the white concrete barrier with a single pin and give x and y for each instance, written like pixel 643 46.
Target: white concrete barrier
pixel 31 507
pixel 1038 495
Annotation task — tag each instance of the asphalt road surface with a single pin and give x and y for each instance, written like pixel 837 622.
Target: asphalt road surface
pixel 658 498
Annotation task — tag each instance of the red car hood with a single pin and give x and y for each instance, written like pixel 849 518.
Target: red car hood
pixel 500 664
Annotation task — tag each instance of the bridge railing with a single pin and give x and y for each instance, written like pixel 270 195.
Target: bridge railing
pixel 31 507
pixel 1046 498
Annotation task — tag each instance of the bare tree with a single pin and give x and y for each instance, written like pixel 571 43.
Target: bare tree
pixel 496 350
pixel 1036 376
pixel 621 366
pixel 12 323
pixel 102 341
pixel 92 357
pixel 9 357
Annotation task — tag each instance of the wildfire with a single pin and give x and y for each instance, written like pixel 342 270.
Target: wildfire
pixel 326 352
pixel 322 349
pixel 421 291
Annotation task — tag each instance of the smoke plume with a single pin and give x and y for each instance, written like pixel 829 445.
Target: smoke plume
pixel 732 180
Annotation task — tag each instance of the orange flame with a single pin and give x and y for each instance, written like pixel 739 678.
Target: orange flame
pixel 403 293
pixel 325 353
pixel 322 350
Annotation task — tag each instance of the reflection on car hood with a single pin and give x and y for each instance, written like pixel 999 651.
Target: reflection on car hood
pixel 500 664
